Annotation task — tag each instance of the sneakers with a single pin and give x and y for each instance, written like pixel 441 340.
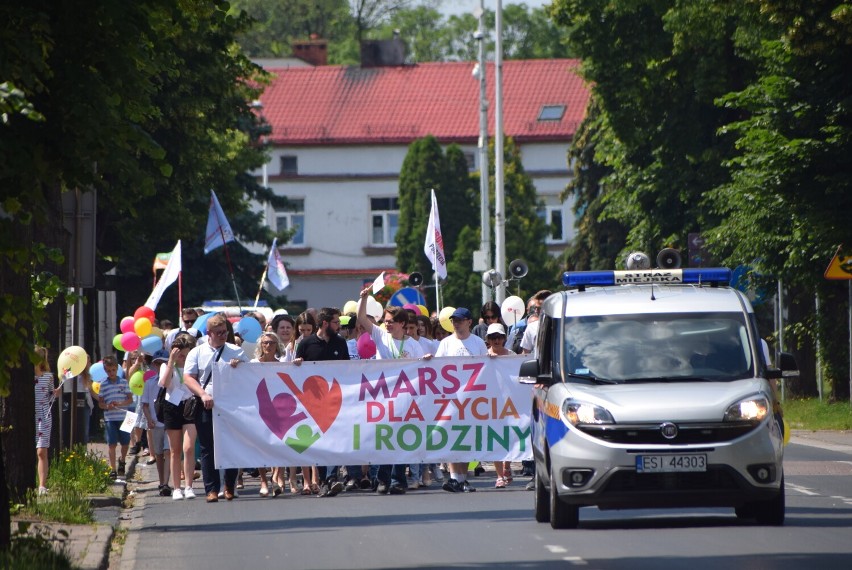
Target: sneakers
pixel 478 470
pixel 466 487
pixel 188 493
pixel 396 490
pixel 330 489
pixel 177 495
pixel 113 475
pixel 501 483
pixel 366 484
pixel 351 485
pixel 530 486
pixel 451 486
pixel 42 491
pixel 121 467
pixel 382 488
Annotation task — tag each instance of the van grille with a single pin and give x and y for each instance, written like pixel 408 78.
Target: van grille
pixel 630 481
pixel 651 434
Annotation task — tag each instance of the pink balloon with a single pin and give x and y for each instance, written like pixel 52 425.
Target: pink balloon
pixel 130 341
pixel 148 375
pixel 412 307
pixel 126 325
pixel 366 346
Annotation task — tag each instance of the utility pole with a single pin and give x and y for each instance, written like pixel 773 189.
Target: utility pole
pixel 499 198
pixel 484 208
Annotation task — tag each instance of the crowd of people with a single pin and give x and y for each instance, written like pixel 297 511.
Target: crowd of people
pixel 175 411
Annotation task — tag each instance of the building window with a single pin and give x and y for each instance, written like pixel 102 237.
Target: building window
pixel 292 219
pixel 551 113
pixel 289 165
pixel 470 157
pixel 554 217
pixel 384 216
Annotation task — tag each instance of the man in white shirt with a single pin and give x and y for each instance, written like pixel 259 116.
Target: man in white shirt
pixel 198 378
pixel 461 343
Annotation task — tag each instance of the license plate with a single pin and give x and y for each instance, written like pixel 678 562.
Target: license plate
pixel 670 463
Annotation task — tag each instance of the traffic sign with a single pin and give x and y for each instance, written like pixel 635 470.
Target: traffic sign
pixel 406 296
pixel 840 266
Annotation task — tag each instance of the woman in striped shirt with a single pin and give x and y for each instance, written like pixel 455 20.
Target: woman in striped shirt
pixel 45 393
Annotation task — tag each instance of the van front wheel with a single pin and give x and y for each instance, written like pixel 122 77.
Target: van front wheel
pixel 562 515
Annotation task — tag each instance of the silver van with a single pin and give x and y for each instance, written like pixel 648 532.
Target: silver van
pixel 652 390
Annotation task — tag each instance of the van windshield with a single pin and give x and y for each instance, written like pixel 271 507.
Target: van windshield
pixel 650 347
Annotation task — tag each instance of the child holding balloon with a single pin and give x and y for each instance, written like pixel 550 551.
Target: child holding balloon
pixel 114 397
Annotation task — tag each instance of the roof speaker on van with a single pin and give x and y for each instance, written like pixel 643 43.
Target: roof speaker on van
pixel 668 259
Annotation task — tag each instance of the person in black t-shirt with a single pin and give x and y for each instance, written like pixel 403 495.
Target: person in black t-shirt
pixel 325 344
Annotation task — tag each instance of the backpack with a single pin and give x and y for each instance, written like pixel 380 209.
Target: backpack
pixel 519 336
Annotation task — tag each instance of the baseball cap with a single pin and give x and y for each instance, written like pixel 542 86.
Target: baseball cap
pixel 461 313
pixel 161 355
pixel 495 328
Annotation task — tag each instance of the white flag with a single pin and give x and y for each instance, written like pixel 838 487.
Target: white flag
pixel 275 270
pixel 169 276
pixel 218 229
pixel 379 283
pixel 434 247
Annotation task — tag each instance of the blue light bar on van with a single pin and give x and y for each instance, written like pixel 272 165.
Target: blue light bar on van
pixel 704 275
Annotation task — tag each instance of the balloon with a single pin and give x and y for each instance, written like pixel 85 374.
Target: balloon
pixel 249 348
pixel 512 310
pixel 145 312
pixel 157 331
pixel 201 323
pixel 127 324
pixel 152 343
pixel 444 318
pixel 366 346
pixel 130 341
pixel 97 372
pixel 423 310
pixel 249 328
pixel 411 307
pixel 142 326
pixel 350 307
pixel 374 308
pixel 96 387
pixel 116 342
pixel 72 361
pixel 137 383
pixel 148 375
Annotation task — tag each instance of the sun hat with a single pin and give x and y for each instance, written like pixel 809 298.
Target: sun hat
pixel 495 328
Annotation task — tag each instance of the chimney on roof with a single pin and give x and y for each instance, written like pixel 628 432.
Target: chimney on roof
pixel 383 53
pixel 313 50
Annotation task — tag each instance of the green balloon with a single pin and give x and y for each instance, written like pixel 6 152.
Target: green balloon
pixel 137 383
pixel 116 342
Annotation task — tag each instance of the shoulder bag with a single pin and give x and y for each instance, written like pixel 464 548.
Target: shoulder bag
pixel 193 406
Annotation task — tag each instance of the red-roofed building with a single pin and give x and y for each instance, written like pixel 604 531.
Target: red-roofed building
pixel 340 135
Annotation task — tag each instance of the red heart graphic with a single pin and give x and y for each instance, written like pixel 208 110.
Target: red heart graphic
pixel 277 413
pixel 322 402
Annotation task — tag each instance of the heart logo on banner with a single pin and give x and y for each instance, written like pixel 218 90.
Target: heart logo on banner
pixel 279 413
pixel 322 401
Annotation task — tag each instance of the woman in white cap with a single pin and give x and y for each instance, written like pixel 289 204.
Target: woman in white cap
pixel 496 338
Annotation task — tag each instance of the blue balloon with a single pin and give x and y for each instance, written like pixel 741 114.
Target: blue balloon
pixel 201 323
pixel 249 328
pixel 97 371
pixel 152 343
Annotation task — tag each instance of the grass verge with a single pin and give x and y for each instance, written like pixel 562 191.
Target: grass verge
pixel 811 414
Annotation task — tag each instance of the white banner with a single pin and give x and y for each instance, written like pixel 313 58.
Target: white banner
pixel 371 411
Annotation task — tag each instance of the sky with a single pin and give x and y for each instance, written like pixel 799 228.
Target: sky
pixel 468 6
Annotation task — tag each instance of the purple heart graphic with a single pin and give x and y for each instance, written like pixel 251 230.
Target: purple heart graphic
pixel 279 413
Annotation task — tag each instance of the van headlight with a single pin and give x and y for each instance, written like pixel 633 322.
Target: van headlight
pixel 585 413
pixel 751 409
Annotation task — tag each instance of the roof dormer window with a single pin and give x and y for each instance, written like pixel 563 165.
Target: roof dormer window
pixel 551 113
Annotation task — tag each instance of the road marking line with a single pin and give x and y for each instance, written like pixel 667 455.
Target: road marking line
pixel 802 490
pixel 555 549
pixel 575 560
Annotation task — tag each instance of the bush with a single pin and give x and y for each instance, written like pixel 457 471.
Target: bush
pixel 84 470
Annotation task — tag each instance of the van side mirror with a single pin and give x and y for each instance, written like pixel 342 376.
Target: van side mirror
pixel 787 367
pixel 530 373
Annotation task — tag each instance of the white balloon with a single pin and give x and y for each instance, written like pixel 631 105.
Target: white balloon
pixel 374 308
pixel 512 310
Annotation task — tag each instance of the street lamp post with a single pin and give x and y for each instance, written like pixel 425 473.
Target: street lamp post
pixel 499 205
pixel 485 213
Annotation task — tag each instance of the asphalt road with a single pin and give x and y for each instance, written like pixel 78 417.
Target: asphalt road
pixel 491 528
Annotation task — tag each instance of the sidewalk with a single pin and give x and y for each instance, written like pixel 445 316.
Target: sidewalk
pixel 89 545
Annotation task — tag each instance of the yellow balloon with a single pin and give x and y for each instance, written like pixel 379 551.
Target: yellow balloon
pixel 142 326
pixel 444 318
pixel 96 387
pixel 423 310
pixel 350 307
pixel 72 361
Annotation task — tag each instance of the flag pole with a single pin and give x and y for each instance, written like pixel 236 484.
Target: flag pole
pixel 437 292
pixel 230 268
pixel 259 289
